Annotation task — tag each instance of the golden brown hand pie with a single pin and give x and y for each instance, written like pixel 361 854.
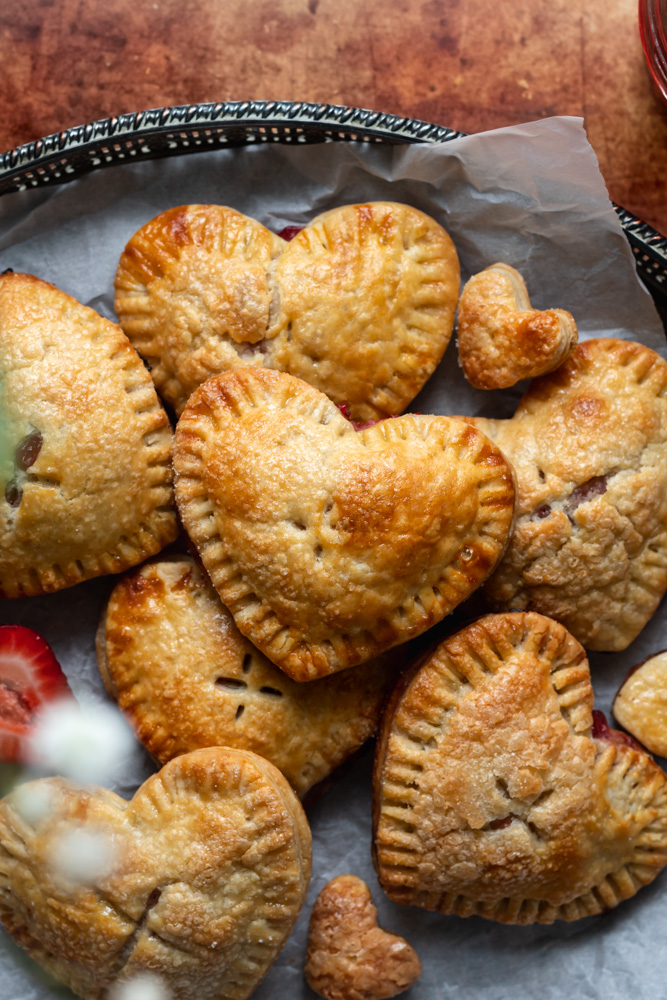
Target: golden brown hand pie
pixel 641 703
pixel 589 448
pixel 327 545
pixel 359 304
pixel 197 880
pixel 185 677
pixel 349 956
pixel 85 477
pixel 494 793
pixel 501 338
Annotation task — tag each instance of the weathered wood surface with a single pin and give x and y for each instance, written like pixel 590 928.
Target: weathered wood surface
pixel 469 64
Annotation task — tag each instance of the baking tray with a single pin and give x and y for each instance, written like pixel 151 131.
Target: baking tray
pixel 192 128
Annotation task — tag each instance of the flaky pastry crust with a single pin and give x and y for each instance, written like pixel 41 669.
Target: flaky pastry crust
pixel 641 703
pixel 201 876
pixel 493 796
pixel 85 474
pixel 327 545
pixel 588 444
pixel 185 677
pixel 501 338
pixel 349 957
pixel 359 304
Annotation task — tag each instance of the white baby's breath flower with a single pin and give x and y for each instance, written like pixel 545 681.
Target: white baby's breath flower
pixel 143 986
pixel 88 743
pixel 82 856
pixel 33 802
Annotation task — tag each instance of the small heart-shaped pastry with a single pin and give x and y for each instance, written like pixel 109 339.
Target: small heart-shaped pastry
pixel 349 957
pixel 494 794
pixel 359 304
pixel 641 703
pixel 197 880
pixel 185 677
pixel 327 545
pixel 588 444
pixel 501 338
pixel 85 477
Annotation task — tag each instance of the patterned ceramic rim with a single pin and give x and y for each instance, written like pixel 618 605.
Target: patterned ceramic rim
pixel 192 128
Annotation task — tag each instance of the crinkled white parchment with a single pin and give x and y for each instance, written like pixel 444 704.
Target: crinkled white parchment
pixel 531 195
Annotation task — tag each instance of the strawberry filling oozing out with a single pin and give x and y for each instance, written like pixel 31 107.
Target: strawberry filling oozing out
pixel 289 232
pixel 603 731
pixel 359 425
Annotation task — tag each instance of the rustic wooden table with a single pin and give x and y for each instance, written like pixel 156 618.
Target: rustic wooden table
pixel 469 64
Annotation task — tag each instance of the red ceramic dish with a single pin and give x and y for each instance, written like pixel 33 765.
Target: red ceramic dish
pixel 653 31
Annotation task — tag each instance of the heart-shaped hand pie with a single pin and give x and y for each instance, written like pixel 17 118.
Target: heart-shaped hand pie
pixel 493 793
pixel 349 956
pixel 85 477
pixel 185 677
pixel 197 880
pixel 589 448
pixel 359 304
pixel 641 703
pixel 327 545
pixel 501 338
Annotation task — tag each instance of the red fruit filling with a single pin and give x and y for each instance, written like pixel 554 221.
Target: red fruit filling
pixel 289 232
pixel 359 425
pixel 603 731
pixel 500 824
pixel 594 487
pixel 28 450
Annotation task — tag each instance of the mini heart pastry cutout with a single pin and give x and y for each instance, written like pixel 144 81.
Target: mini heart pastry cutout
pixel 588 444
pixel 327 545
pixel 501 338
pixel 197 880
pixel 185 678
pixel 360 303
pixel 494 792
pixel 349 957
pixel 85 476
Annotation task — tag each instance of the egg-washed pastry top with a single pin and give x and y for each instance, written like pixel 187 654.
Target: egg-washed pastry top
pixel 359 304
pixel 641 703
pixel 501 339
pixel 185 677
pixel 85 477
pixel 588 444
pixel 496 794
pixel 327 545
pixel 195 882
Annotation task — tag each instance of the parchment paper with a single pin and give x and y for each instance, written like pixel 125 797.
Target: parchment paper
pixel 531 195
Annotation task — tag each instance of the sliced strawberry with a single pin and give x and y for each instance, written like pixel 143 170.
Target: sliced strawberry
pixel 30 677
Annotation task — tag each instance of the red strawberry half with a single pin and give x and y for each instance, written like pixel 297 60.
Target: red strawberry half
pixel 30 677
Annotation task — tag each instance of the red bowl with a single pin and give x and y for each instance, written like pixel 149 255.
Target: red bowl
pixel 653 31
